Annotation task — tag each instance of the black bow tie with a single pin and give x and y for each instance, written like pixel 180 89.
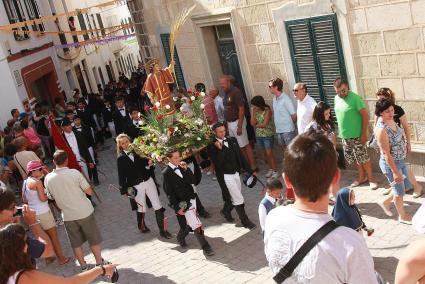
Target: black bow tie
pixel 121 109
pixel 176 168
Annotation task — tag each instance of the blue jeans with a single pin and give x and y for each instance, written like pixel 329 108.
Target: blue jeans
pixel 285 138
pixel 399 188
pixel 265 142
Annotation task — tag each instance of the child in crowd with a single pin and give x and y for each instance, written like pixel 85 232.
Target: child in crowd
pixel 274 189
pixel 346 213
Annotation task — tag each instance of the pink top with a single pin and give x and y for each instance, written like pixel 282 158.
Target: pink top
pixel 31 135
pixel 209 110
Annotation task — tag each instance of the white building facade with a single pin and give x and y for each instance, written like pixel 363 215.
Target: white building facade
pixel 32 67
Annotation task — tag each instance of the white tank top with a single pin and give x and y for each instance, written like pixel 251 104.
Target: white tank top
pixel 34 201
pixel 12 278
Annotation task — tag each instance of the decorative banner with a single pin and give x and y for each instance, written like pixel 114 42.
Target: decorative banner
pixel 102 41
pixel 53 18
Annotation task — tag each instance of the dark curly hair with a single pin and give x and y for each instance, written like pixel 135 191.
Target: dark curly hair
pixel 319 116
pixel 13 258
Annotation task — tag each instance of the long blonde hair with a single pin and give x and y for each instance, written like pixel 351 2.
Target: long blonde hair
pixel 117 140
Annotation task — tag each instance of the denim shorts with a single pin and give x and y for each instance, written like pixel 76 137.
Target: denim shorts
pixel 285 138
pixel 399 188
pixel 265 142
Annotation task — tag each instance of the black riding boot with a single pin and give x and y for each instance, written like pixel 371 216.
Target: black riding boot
pixel 199 234
pixel 201 209
pixel 240 209
pixel 141 222
pixel 159 214
pixel 226 212
pixel 184 231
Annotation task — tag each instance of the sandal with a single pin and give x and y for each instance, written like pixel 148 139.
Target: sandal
pixel 67 259
pixel 357 183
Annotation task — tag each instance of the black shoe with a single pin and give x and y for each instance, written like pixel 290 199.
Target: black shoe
pixel 183 243
pixel 227 216
pixel 204 214
pixel 166 235
pixel 208 251
pixel 249 225
pixel 96 183
pixel 93 204
pixel 144 230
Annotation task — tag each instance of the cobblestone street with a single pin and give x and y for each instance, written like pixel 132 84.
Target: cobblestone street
pixel 239 256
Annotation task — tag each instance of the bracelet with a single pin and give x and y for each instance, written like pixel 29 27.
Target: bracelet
pixel 36 223
pixel 103 271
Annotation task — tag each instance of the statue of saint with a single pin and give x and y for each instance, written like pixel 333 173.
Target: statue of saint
pixel 156 85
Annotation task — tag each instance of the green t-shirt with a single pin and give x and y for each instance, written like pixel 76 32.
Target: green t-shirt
pixel 347 111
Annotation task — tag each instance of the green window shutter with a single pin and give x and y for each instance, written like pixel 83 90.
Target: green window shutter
pixel 165 39
pixel 316 55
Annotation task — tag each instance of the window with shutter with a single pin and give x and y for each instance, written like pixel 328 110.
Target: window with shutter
pixel 165 38
pixel 83 25
pixel 316 54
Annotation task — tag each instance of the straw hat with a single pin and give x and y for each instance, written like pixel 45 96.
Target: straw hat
pixel 151 63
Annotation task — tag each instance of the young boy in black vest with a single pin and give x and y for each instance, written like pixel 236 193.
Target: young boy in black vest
pixel 274 189
pixel 177 184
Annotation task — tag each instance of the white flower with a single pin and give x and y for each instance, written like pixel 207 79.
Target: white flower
pixel 181 109
pixel 199 121
pixel 202 106
pixel 175 128
pixel 202 94
pixel 157 104
pixel 175 99
pixel 198 138
pixel 192 98
pixel 167 107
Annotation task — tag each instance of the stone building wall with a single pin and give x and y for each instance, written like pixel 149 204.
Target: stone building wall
pixel 386 39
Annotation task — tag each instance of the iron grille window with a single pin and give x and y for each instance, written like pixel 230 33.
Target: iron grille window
pixel 15 14
pixel 83 25
pixel 34 13
pixel 317 56
pixel 100 22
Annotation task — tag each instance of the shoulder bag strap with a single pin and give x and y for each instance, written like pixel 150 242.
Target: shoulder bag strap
pixel 19 164
pixel 296 259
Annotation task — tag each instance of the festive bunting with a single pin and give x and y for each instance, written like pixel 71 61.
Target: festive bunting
pixel 53 18
pixel 101 41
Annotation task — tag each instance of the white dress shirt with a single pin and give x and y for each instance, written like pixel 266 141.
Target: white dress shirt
pixel 122 111
pixel 72 141
pixel 262 211
pixel 130 155
pixel 305 109
pixel 223 141
pixel 178 172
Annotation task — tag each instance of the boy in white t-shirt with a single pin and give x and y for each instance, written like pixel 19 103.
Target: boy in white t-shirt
pixel 310 167
pixel 274 189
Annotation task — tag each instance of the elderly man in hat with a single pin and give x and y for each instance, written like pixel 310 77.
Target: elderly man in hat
pixel 156 85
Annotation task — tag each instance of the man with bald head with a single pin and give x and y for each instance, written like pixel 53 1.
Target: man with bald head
pixel 305 106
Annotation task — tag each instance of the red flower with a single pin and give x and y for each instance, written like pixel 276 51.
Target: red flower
pixel 190 102
pixel 146 108
pixel 154 108
pixel 160 116
pixel 189 92
pixel 197 94
pixel 171 129
pixel 141 142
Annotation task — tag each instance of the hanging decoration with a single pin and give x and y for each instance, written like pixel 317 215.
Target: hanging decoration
pixel 53 18
pixel 100 41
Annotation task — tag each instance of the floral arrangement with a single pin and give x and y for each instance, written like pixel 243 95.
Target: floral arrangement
pixel 186 129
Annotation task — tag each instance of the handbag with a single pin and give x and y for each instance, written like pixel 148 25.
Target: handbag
pixel 418 220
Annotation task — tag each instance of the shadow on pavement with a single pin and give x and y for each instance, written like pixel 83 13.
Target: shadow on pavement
pixel 130 276
pixel 386 266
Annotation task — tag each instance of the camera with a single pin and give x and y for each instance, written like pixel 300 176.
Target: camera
pixel 18 211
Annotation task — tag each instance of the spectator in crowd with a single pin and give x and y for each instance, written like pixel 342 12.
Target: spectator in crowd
pixel 305 106
pixel 261 120
pixel 133 129
pixel 107 115
pixel 22 157
pixel 68 187
pixel 310 166
pixel 353 121
pixel 15 114
pixel 274 190
pixel 393 151
pixel 411 266
pixel 42 128
pixel 285 114
pixel 38 247
pixel 234 114
pixel 209 109
pixel 33 194
pixel 218 103
pixel 401 119
pixel 33 140
pixel 16 266
pixel 58 108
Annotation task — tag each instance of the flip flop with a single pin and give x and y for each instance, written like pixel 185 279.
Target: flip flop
pixel 386 210
pixel 404 221
pixel 67 259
